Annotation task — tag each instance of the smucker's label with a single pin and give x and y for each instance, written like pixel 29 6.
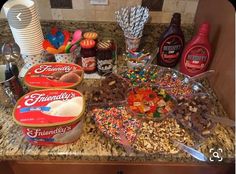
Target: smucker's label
pixel 89 63
pixel 50 75
pixel 171 49
pixel 49 107
pixel 196 59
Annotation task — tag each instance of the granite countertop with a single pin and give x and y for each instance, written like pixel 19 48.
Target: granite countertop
pixel 92 145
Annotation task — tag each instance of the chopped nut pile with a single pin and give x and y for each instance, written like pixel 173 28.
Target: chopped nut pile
pixel 157 137
pixel 193 112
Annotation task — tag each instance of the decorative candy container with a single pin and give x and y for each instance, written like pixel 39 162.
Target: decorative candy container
pixel 197 54
pixel 88 55
pixel 171 43
pixel 104 58
pixel 136 59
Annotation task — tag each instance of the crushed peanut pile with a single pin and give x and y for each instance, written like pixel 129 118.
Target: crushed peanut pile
pixel 157 137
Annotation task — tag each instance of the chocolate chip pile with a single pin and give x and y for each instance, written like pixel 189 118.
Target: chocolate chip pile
pixel 157 137
pixel 112 89
pixel 193 111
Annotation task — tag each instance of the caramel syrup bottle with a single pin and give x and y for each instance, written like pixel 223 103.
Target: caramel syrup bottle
pixel 171 43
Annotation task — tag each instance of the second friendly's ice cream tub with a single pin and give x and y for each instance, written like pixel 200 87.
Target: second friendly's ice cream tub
pixel 50 117
pixel 53 75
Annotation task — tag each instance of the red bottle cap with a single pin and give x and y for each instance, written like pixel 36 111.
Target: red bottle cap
pixel 90 35
pixel 204 28
pixel 87 43
pixel 104 45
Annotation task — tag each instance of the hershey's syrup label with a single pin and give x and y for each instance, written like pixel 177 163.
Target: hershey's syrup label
pixel 196 59
pixel 171 49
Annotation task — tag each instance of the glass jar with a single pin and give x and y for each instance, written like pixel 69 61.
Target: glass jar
pixel 113 47
pixel 104 58
pixel 88 55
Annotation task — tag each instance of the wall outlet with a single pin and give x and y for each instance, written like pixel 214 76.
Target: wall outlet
pixel 99 2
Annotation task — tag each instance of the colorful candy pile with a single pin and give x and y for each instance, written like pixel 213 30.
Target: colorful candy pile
pixel 139 75
pixel 150 102
pixel 112 120
pixel 175 85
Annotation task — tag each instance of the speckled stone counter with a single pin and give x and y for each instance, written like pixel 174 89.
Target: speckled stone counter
pixel 149 39
pixel 92 145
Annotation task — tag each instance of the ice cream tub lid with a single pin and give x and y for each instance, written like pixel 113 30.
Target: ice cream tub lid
pixel 49 107
pixel 53 75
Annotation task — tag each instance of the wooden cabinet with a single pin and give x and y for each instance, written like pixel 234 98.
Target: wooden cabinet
pixel 73 167
pixel 221 16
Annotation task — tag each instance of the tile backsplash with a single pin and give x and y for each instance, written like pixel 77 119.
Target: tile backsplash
pixel 82 10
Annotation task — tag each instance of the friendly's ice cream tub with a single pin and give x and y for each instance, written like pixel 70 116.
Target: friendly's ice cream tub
pixel 51 116
pixel 53 75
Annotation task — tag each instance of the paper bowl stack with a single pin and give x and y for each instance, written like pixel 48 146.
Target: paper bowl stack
pixel 27 32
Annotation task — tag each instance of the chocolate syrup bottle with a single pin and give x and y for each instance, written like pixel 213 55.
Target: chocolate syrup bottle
pixel 171 43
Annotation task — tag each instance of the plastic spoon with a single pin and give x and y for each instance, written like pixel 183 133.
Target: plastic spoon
pixel 125 142
pixel 67 48
pixel 53 40
pixel 67 37
pixel 223 120
pixel 193 152
pixel 74 46
pixel 52 50
pixel 153 55
pixel 203 75
pixel 53 30
pixel 46 44
pixel 60 37
pixel 61 49
pixel 76 36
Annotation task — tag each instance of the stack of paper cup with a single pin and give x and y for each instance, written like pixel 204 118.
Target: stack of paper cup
pixel 28 36
pixel 23 19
